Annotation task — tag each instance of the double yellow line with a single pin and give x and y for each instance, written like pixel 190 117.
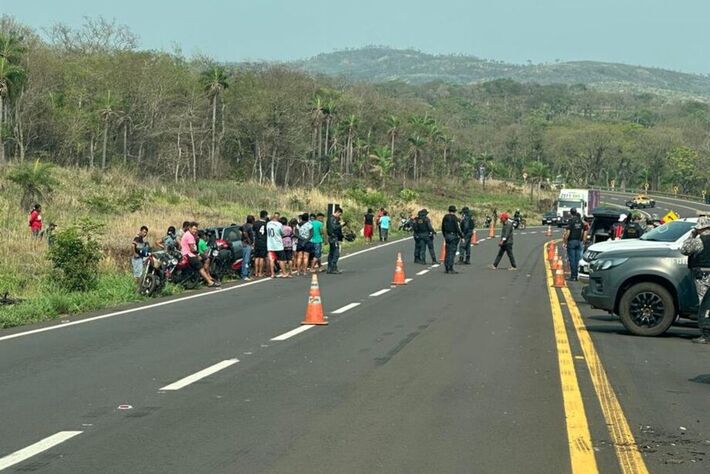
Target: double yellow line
pixel 579 440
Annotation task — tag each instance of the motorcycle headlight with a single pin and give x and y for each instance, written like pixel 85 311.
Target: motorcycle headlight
pixel 215 253
pixel 174 261
pixel 606 263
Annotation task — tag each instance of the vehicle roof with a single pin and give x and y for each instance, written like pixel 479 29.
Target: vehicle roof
pixel 606 211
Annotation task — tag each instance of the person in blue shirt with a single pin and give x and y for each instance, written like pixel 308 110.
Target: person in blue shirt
pixel 385 222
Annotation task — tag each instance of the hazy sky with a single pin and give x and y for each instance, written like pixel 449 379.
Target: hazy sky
pixel 672 34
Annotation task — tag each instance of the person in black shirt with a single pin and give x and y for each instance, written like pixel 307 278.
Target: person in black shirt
pixel 452 235
pixel 573 238
pixel 247 246
pixel 260 244
pixel 632 229
pixel 506 243
pixel 697 248
pixel 334 229
pixel 467 226
pixel 422 229
pixel 368 227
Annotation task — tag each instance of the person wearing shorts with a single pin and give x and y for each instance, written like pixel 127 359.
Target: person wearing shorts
pixel 275 247
pixel 260 245
pixel 288 243
pixel 368 227
pixel 317 240
pixel 385 222
pixel 304 248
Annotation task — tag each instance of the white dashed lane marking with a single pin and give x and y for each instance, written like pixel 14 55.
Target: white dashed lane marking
pixel 423 272
pixel 345 308
pixel 200 375
pixel 34 449
pixel 293 332
pixel 381 292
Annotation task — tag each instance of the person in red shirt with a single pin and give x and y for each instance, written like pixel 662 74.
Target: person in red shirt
pixel 36 221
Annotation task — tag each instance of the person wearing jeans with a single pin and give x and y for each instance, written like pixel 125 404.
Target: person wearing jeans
pixel 574 236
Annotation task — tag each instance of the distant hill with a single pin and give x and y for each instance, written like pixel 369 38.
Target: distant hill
pixel 382 64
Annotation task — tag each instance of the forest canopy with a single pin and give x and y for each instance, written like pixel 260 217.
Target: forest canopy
pixel 89 97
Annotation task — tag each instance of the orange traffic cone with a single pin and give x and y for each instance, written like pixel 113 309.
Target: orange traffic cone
pixel 474 238
pixel 549 231
pixel 399 277
pixel 314 310
pixel 551 251
pixel 558 263
pixel 555 256
pixel 443 252
pixel 559 278
pixel 491 231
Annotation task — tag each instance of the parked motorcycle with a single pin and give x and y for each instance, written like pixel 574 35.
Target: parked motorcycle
pixel 157 267
pixel 406 224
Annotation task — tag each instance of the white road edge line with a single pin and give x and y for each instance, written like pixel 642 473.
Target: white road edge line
pixel 423 272
pixel 37 448
pixel 200 375
pixel 165 303
pixel 293 332
pixel 381 292
pixel 345 308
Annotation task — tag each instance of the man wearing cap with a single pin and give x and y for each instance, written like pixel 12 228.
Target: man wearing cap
pixel 697 248
pixel 632 229
pixel 422 230
pixel 467 226
pixel 506 243
pixel 574 235
pixel 451 230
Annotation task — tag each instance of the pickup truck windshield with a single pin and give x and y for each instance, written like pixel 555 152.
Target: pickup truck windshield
pixel 668 232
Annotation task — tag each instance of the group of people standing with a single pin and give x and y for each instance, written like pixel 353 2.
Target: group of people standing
pixel 381 220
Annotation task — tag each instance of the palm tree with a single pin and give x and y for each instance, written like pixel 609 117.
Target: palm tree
pixel 106 112
pixel 11 76
pixel 214 82
pixel 393 128
pixel 416 148
pixel 537 172
pixel 36 181
pixel 382 163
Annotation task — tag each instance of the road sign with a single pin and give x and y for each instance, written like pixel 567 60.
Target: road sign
pixel 671 216
pixel 675 189
pixel 645 186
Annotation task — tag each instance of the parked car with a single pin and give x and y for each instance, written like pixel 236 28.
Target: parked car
pixel 640 201
pixel 550 218
pixel 645 281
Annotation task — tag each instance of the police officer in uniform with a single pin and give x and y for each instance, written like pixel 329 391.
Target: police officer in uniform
pixel 467 226
pixel 573 238
pixel 422 231
pixel 632 229
pixel 451 230
pixel 697 248
pixel 430 241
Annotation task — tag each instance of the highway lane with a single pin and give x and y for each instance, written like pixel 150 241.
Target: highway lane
pixel 447 374
pixel 664 204
pixel 473 371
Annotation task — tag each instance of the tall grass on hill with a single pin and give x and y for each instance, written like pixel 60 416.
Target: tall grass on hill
pixel 123 202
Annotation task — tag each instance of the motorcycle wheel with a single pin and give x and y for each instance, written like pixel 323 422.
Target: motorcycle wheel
pixel 148 285
pixel 192 282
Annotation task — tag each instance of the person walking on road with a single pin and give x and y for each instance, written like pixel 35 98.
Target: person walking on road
pixel 422 229
pixel 334 230
pixel 574 236
pixel 379 215
pixel 697 248
pixel 467 226
pixel 451 230
pixel 506 243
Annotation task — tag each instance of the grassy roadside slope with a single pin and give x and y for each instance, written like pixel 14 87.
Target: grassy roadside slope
pixel 122 202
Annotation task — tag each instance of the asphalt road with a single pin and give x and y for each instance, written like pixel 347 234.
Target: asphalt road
pixel 485 371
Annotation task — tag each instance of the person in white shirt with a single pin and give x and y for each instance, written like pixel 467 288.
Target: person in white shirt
pixel 275 247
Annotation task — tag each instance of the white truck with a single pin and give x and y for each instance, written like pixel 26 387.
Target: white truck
pixel 584 200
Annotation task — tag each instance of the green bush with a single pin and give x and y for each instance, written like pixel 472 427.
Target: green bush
pixel 75 256
pixel 408 195
pixel 373 199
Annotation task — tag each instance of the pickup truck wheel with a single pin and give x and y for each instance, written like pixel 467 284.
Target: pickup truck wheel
pixel 647 309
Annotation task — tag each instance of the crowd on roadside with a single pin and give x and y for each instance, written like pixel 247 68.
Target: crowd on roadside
pixel 270 245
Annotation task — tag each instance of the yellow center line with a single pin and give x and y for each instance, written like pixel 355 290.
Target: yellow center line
pixel 578 437
pixel 630 459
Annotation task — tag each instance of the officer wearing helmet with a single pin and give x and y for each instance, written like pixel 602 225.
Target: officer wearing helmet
pixel 423 230
pixel 467 226
pixel 452 235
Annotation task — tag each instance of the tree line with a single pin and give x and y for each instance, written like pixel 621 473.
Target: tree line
pixel 89 97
